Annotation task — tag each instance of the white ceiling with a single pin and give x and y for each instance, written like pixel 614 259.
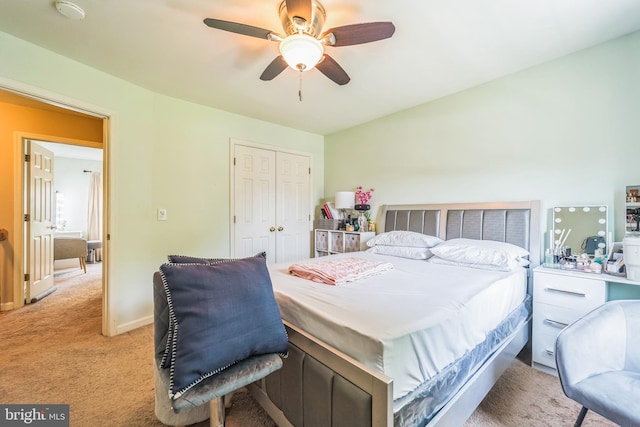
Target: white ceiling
pixel 440 47
pixel 73 151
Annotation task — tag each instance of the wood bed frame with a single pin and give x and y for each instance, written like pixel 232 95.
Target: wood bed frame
pixel 321 386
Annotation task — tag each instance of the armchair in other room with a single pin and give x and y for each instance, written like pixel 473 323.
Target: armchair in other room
pixel 598 360
pixel 195 372
pixel 70 247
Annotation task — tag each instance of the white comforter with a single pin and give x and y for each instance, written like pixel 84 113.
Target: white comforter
pixel 409 322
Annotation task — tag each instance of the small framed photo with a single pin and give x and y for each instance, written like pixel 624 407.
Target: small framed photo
pixel 616 251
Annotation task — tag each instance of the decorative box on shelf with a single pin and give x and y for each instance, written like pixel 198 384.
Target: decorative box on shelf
pixel 327 224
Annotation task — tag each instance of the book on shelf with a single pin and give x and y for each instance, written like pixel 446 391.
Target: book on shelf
pixel 327 211
pixel 335 213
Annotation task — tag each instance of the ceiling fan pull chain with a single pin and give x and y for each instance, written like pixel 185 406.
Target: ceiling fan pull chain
pixel 300 88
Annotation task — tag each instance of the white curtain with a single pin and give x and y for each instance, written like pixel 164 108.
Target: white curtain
pixel 94 219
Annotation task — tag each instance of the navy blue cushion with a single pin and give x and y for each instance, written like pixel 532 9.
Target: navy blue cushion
pixel 186 259
pixel 220 314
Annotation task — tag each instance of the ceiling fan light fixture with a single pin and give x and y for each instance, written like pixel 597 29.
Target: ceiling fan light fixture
pixel 301 51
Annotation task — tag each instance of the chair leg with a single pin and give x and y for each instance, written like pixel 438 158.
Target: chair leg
pixel 227 399
pixel 216 407
pixel 581 415
pixel 83 264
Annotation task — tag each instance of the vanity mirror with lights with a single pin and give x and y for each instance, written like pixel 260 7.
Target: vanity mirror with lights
pixel 583 229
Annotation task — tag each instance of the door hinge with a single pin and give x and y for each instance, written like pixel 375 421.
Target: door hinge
pixel 309 171
pixel 234 161
pixel 234 219
pixel 108 236
pixel 27 158
pixel 26 277
pixel 27 217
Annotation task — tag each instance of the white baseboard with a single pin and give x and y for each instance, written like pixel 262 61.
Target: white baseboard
pixel 121 329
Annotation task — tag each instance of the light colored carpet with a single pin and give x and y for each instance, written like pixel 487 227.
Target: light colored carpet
pixel 53 352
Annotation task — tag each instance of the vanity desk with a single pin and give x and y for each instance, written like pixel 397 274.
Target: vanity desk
pixel 561 296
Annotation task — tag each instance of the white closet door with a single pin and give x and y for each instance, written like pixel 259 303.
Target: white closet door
pixel 255 202
pixel 271 204
pixel 292 210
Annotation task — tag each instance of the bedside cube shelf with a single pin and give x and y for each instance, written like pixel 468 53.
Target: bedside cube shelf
pixel 329 242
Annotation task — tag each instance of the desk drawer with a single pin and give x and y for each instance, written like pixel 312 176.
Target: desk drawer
pixel 548 321
pixel 574 292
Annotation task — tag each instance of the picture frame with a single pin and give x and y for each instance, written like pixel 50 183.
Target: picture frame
pixel 616 251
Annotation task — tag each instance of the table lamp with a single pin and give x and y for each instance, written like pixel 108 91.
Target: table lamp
pixel 344 200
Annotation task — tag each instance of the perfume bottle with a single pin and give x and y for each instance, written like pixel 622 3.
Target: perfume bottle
pixel 548 256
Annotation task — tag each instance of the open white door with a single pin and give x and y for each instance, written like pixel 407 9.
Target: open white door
pixel 39 222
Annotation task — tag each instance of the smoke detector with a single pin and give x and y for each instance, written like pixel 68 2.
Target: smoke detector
pixel 70 10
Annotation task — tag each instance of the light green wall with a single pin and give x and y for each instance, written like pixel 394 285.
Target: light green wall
pixel 565 132
pixel 73 183
pixel 164 153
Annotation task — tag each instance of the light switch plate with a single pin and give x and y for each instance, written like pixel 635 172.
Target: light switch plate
pixel 162 214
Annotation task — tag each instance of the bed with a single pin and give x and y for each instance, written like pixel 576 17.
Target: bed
pixel 344 373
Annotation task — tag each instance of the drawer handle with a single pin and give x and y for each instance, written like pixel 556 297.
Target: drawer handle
pixel 561 291
pixel 555 323
pixel 549 352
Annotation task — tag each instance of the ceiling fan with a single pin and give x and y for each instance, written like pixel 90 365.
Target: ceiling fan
pixel 303 45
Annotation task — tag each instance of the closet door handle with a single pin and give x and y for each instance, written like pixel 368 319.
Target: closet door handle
pixel 280 228
pixel 549 352
pixel 561 291
pixel 272 229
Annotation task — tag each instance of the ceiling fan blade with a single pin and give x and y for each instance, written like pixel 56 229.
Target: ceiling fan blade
pixel 235 27
pixel 300 8
pixel 272 71
pixel 330 68
pixel 361 33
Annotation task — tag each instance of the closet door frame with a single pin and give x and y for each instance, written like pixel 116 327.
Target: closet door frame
pixel 233 142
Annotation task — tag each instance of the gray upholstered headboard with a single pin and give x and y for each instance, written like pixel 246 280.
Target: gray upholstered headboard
pixel 504 225
pixel 419 220
pixel 517 223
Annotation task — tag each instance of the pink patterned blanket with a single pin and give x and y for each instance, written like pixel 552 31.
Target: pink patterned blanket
pixel 338 271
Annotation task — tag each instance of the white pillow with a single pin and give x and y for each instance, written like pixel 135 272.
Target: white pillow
pixel 401 251
pixel 404 238
pixel 489 252
pixel 438 260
